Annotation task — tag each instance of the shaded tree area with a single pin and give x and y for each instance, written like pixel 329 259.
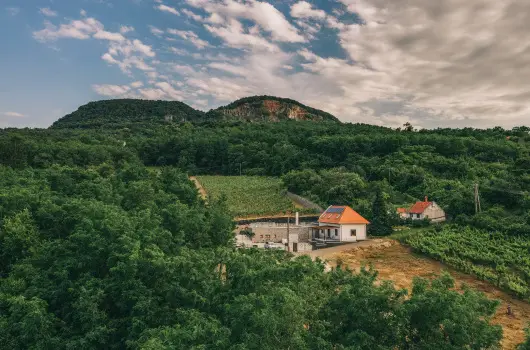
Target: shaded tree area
pixel 99 249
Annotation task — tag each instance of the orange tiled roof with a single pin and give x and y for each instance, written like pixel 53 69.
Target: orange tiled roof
pixel 419 207
pixel 341 215
pixel 402 210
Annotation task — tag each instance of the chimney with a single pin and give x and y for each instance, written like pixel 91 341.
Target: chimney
pixel 297 219
pixel 426 199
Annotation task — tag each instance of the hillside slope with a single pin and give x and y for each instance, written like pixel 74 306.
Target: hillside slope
pixel 109 112
pixel 269 109
pixel 126 112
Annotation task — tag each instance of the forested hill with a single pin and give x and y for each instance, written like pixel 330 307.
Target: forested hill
pixel 125 112
pixel 269 108
pixel 119 112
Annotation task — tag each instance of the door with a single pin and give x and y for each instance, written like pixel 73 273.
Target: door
pixel 295 247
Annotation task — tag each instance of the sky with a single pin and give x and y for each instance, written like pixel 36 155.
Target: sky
pixel 443 63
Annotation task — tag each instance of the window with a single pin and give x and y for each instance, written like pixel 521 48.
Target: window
pixel 261 236
pixel 267 236
pixel 418 216
pixel 329 232
pixel 336 232
pixel 353 233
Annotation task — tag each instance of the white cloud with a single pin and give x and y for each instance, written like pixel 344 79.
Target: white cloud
pixel 46 11
pixel 152 94
pixel 13 11
pixel 108 58
pixel 233 34
pixel 83 13
pixel 126 29
pixel 104 35
pixel 303 9
pixel 262 13
pixel 137 84
pixel 13 114
pixel 191 37
pixel 183 69
pixel 111 90
pixel 76 29
pixel 168 9
pixel 155 31
pixel 170 91
pixel 192 15
pixel 180 52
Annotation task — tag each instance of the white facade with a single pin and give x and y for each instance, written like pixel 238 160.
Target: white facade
pixel 343 233
pixel 353 232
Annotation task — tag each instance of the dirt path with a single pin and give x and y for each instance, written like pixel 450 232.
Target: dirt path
pixel 201 189
pixel 397 263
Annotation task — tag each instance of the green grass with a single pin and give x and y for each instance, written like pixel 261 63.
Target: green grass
pixel 249 195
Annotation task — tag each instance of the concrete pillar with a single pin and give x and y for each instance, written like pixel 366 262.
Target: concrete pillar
pixel 297 220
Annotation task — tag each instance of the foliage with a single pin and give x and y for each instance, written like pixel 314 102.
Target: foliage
pixel 382 219
pixel 98 252
pixel 249 195
pixel 109 112
pixel 492 256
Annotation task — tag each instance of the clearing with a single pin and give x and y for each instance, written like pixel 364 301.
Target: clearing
pixel 250 196
pixel 397 263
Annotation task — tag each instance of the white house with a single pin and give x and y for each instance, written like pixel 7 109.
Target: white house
pixel 427 210
pixel 340 224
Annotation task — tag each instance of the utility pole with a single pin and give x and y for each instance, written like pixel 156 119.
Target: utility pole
pixel 478 208
pixel 288 240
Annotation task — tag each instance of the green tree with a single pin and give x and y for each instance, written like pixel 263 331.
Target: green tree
pixel 381 224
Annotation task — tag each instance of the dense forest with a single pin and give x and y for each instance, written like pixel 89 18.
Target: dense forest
pixel 97 250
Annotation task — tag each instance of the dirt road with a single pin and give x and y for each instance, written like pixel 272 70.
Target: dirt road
pixel 397 263
pixel 201 189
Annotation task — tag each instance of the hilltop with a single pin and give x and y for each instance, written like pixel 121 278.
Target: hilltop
pixel 108 112
pixel 269 108
pixel 111 113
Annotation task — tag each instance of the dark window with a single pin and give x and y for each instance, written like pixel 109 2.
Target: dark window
pixel 336 232
pixel 353 233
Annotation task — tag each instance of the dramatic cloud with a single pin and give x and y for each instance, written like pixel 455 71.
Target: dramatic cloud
pixel 168 9
pixel 263 13
pixel 48 12
pixel 303 9
pixel 438 63
pixel 12 114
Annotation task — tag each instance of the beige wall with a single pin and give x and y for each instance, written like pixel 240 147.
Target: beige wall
pixel 435 213
pixel 277 233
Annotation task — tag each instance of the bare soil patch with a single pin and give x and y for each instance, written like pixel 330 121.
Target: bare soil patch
pixel 397 263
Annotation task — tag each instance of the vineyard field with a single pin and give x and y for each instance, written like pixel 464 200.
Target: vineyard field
pixel 494 257
pixel 250 195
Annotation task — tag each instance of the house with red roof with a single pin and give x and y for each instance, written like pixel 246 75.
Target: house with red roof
pixel 340 224
pixel 426 210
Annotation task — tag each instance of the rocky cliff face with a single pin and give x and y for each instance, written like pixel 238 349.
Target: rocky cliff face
pixel 269 109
